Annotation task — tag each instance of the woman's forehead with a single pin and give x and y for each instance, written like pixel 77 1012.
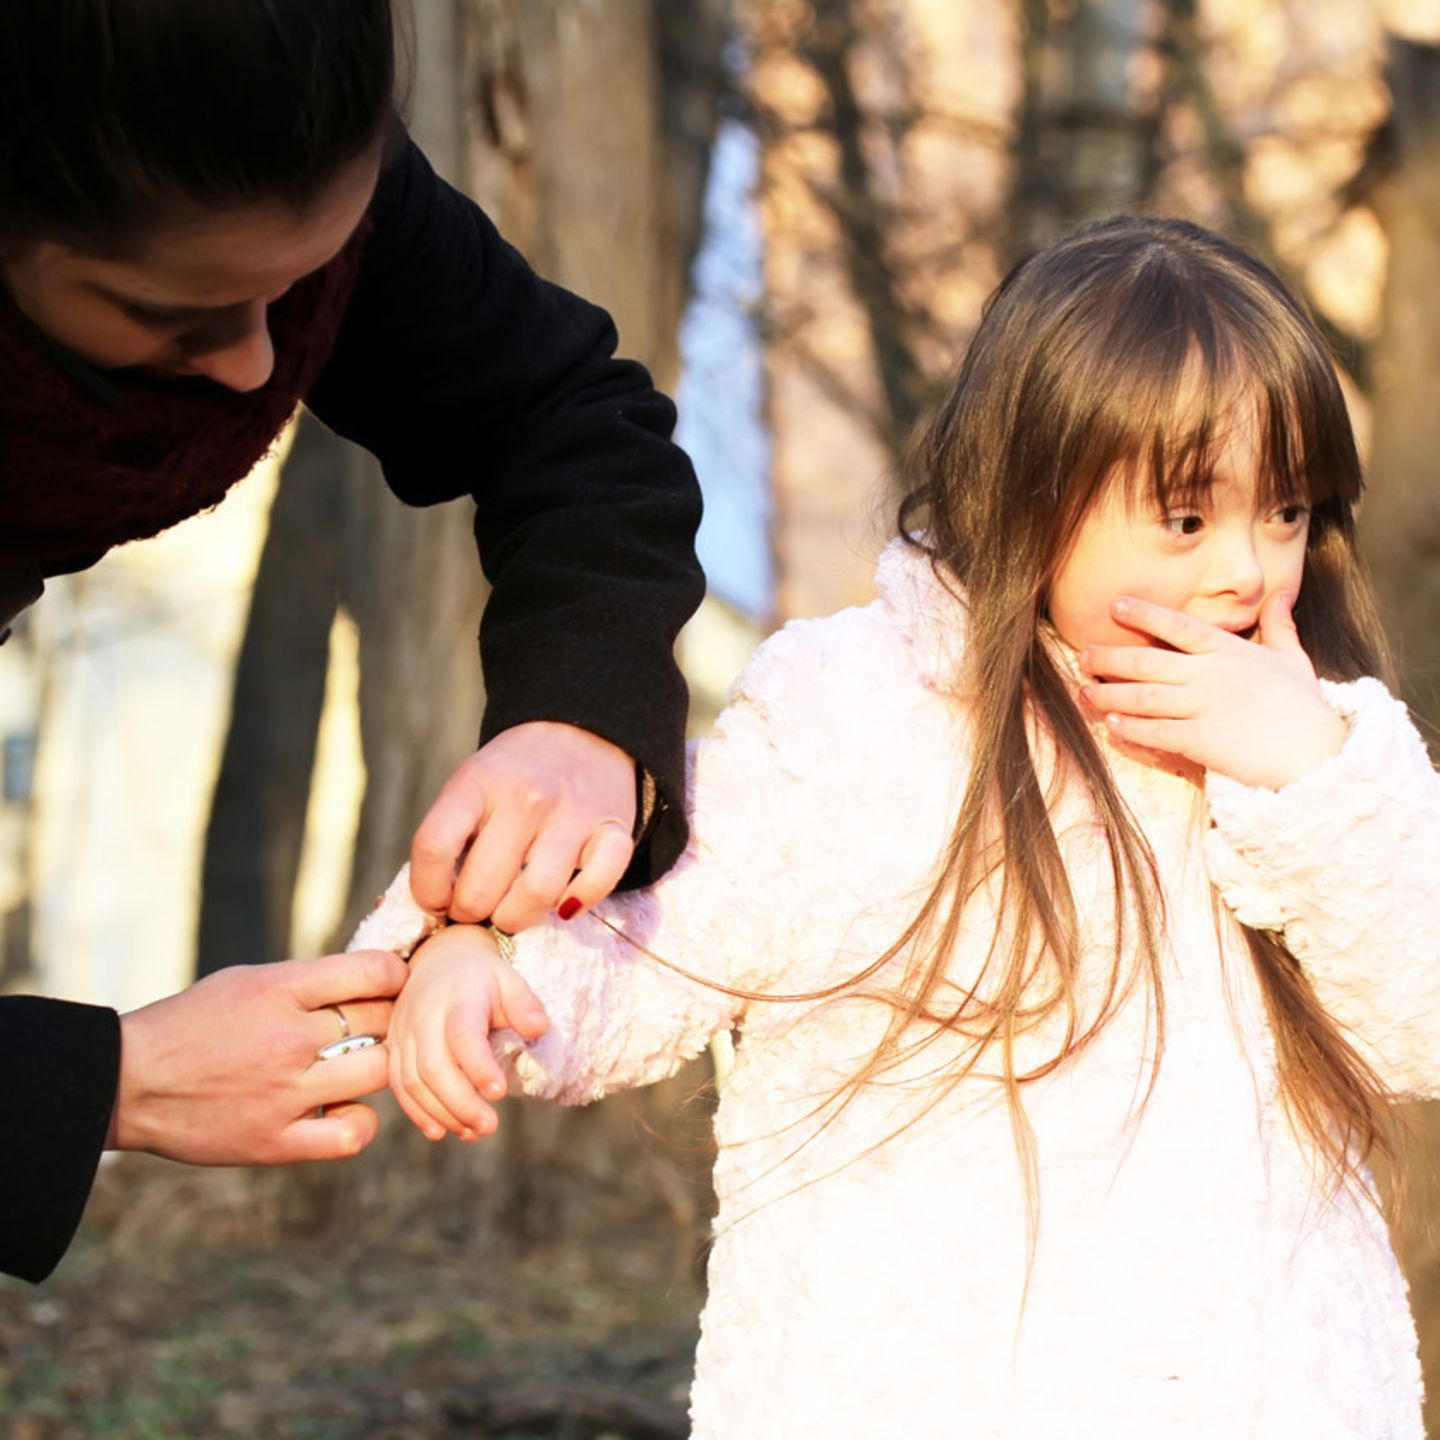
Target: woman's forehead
pixel 219 260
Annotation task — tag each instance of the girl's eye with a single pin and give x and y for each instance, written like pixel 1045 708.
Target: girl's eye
pixel 1183 524
pixel 1291 515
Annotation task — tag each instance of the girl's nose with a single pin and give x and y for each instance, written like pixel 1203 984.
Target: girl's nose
pixel 1241 573
pixel 237 353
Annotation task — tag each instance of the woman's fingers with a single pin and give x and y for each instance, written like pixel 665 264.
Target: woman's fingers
pixel 342 1131
pixel 346 1077
pixel 361 1017
pixel 522 813
pixel 447 829
pixel 492 866
pixel 338 979
pixel 540 884
pixel 602 863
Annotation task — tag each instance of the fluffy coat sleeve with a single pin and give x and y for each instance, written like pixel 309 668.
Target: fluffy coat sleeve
pixel 619 1016
pixel 1345 863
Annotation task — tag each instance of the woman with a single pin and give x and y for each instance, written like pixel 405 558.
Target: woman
pixel 207 213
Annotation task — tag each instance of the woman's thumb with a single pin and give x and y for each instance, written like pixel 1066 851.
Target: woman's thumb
pixel 1277 622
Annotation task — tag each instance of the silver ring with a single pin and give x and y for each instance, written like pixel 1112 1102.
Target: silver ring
pixel 336 1048
pixel 344 1023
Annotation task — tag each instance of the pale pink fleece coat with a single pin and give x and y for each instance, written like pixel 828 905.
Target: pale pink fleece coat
pixel 1190 1277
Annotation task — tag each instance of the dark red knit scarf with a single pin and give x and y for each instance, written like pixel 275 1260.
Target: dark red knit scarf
pixel 92 459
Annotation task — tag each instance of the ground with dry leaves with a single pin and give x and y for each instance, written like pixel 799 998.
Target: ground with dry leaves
pixel 178 1332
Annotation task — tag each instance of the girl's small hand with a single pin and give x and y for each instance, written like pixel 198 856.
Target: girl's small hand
pixel 1251 710
pixel 442 1069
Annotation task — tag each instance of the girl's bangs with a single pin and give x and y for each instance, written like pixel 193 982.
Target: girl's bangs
pixel 1173 422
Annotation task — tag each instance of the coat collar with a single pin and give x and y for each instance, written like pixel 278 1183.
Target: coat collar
pixel 928 608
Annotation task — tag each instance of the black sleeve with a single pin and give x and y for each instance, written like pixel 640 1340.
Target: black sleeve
pixel 465 373
pixel 59 1069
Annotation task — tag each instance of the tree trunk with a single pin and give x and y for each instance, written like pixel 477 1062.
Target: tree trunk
pixel 1084 146
pixel 257 817
pixel 1400 522
pixel 1400 530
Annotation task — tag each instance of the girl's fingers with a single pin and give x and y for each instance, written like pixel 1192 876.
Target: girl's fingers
pixel 1184 632
pixel 1167 735
pixel 1277 622
pixel 1167 702
pixel 418 1100
pixel 602 864
pixel 1135 662
pixel 475 1060
pixel 417 1115
pixel 517 1006
pixel 442 1088
pixel 464 1112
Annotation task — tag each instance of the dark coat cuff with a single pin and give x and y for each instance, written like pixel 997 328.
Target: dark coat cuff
pixel 59 1071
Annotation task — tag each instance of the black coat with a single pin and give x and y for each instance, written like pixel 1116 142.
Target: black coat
pixel 464 374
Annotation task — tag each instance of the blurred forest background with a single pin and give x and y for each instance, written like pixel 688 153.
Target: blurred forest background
pixel 794 209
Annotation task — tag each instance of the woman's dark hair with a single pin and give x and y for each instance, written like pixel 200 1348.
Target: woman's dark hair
pixel 113 113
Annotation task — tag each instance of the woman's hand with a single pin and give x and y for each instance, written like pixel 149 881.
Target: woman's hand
pixel 1248 709
pixel 442 1069
pixel 227 1072
pixel 534 806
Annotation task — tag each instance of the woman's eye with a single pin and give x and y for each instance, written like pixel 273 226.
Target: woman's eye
pixel 155 319
pixel 1292 514
pixel 1183 524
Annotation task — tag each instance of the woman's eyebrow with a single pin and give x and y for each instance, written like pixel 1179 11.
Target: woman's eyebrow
pixel 159 308
pixel 167 312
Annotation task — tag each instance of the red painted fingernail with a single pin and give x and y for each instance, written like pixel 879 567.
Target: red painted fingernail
pixel 569 909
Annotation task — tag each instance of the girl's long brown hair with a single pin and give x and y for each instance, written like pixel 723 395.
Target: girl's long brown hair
pixel 1120 352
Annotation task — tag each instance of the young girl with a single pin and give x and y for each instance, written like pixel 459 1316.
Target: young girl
pixel 1029 1133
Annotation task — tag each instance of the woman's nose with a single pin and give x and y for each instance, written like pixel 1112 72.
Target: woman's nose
pixel 237 351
